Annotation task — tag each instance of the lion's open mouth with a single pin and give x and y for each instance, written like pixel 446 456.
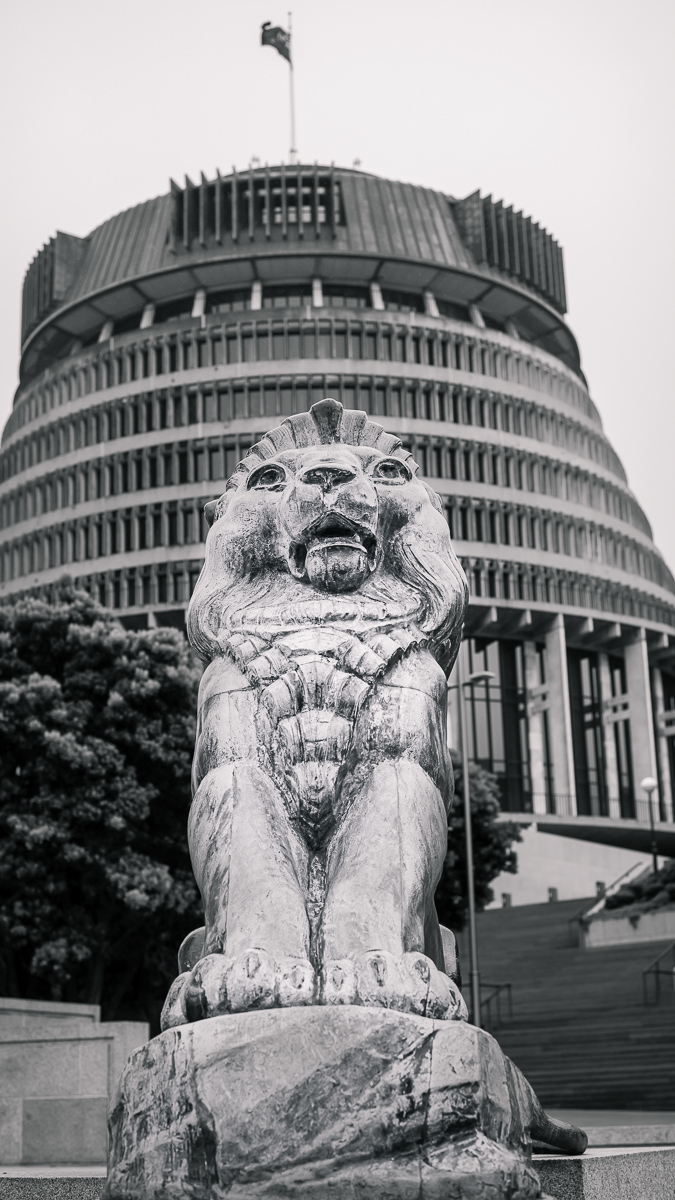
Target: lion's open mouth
pixel 333 530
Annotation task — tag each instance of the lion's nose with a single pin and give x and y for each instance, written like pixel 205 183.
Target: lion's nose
pixel 328 475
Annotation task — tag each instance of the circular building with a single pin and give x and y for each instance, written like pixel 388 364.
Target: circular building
pixel 158 348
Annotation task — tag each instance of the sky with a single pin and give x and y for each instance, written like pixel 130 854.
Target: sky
pixel 562 109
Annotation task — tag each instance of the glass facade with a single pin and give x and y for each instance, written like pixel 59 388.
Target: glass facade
pixel 497 717
pixel 508 714
pixel 586 713
pixel 624 764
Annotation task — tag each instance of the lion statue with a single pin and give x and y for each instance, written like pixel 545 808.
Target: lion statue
pixel 329 611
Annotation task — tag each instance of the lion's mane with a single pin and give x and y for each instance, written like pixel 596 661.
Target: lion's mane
pixel 244 584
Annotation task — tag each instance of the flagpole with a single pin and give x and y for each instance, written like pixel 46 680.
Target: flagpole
pixel 290 63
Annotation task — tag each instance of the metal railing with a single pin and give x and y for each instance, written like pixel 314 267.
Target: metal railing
pixel 494 997
pixel 590 907
pixel 574 922
pixel 663 967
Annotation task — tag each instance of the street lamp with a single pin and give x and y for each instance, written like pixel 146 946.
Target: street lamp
pixel 474 974
pixel 649 785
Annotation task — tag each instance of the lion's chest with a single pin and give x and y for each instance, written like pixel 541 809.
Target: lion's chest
pixel 311 686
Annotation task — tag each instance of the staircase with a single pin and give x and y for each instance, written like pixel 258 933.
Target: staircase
pixel 580 1031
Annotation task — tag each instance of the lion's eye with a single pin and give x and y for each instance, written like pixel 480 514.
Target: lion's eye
pixel 267 477
pixel 392 470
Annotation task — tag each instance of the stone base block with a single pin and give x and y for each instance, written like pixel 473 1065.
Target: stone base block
pixel 321 1102
pixel 610 1174
pixel 51 1183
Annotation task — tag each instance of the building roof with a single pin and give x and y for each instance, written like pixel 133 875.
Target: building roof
pixel 351 226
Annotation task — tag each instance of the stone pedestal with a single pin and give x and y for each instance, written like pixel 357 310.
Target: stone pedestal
pixel 58 1066
pixel 321 1102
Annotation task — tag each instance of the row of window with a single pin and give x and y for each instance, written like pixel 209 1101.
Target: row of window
pixel 507 525
pixel 121 532
pixel 143 587
pixel 268 341
pixel 538 584
pixel 167 583
pixel 274 399
pixel 175 523
pixel 215 459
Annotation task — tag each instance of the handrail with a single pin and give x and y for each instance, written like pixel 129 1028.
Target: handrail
pixel 656 971
pixel 633 873
pixel 496 994
pixel 576 916
pixel 659 957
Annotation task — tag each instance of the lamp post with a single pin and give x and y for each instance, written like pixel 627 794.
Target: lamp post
pixel 474 974
pixel 649 785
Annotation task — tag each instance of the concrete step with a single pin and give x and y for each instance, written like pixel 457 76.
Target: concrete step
pixel 580 1030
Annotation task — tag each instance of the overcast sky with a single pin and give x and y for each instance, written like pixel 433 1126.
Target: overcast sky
pixel 563 109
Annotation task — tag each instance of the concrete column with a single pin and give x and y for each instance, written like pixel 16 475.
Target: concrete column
pixel 147 318
pixel 642 746
pixel 560 717
pixel 609 741
pixel 537 701
pixel 430 305
pixel 662 747
pixel 376 296
pixel 317 293
pixel 256 295
pixel 199 303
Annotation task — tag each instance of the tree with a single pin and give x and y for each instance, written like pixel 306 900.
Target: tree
pixel 492 846
pixel 96 741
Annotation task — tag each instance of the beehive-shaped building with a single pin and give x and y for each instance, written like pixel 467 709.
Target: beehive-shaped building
pixel 158 348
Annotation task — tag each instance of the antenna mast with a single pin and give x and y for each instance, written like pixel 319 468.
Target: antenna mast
pixel 293 152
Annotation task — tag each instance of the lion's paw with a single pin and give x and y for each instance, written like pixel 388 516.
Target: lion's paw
pixel 206 988
pixel 380 981
pixel 218 985
pixel 431 992
pixel 173 1011
pixel 295 982
pixel 251 981
pixel 409 983
pixel 338 982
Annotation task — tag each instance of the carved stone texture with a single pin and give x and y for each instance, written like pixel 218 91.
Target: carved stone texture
pixel 329 609
pixel 322 1103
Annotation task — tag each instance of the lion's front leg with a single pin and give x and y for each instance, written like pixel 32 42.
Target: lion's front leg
pixel 381 867
pixel 250 865
pixel 387 854
pixel 252 872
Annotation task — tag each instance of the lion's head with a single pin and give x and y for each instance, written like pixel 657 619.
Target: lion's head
pixel 325 523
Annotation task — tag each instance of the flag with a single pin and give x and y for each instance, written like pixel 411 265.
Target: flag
pixel 274 35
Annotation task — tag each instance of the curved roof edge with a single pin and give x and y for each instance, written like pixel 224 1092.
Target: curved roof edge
pixel 342 212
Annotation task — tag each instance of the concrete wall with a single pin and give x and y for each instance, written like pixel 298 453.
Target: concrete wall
pixel 574 867
pixel 612 929
pixel 58 1066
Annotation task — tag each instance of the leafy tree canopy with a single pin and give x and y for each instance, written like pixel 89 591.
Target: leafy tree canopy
pixel 96 740
pixel 492 846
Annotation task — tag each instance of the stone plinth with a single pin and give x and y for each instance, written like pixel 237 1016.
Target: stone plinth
pixel 51 1183
pixel 610 1174
pixel 58 1066
pixel 321 1102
